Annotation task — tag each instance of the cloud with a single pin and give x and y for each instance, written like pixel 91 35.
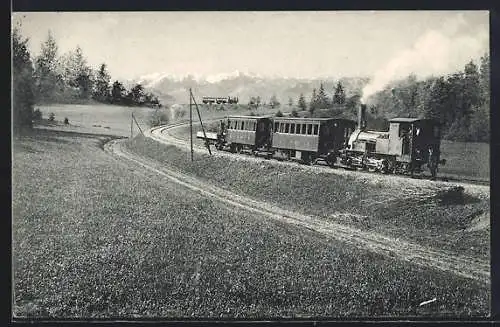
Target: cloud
pixel 435 52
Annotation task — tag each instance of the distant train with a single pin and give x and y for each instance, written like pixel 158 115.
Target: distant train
pixel 219 100
pixel 409 144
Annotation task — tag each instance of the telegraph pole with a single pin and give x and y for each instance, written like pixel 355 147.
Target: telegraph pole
pixel 191 122
pixel 139 126
pixel 201 122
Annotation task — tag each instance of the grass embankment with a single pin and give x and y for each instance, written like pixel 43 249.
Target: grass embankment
pixel 405 211
pixel 93 236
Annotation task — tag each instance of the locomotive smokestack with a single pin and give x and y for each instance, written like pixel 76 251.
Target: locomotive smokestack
pixel 362 117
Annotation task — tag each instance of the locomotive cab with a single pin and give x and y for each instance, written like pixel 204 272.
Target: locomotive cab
pixel 415 142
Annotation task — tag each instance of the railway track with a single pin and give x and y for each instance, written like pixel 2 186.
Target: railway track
pixel 467 267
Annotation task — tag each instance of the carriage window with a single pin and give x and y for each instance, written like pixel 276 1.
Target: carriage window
pixel 404 129
pixel 276 125
pixel 309 129
pixel 242 125
pixel 287 128
pixel 303 128
pixel 315 129
pixel 292 128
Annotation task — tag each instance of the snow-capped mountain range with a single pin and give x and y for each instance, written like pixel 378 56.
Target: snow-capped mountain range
pixel 172 88
pixel 150 80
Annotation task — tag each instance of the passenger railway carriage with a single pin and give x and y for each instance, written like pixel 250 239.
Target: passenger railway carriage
pixel 311 139
pixel 248 133
pixel 219 100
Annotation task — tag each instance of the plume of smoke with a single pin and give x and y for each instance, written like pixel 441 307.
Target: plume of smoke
pixel 435 52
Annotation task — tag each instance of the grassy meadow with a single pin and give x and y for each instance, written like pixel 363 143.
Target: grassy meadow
pixel 97 237
pixel 115 120
pixel 378 205
pixel 466 159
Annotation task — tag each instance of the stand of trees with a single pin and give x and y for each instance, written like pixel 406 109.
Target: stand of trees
pixel 50 78
pixel 460 101
pixel 22 83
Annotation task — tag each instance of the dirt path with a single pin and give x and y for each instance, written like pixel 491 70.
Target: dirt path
pixel 462 266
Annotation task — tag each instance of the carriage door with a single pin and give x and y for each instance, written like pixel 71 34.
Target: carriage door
pixel 262 132
pixel 405 134
pixel 395 141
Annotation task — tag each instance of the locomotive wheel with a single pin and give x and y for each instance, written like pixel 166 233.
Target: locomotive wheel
pixel 385 167
pixel 307 159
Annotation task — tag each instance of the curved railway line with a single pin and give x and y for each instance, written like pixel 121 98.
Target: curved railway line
pixel 464 266
pixel 162 134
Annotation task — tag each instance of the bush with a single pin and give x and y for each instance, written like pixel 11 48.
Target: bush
pixel 158 118
pixel 66 121
pixel 279 114
pixel 52 116
pixel 294 113
pixel 37 114
pixel 179 113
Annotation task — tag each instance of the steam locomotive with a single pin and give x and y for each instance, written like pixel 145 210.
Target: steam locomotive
pixel 410 143
pixel 219 100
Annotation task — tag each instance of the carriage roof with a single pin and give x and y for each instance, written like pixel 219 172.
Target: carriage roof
pixel 248 117
pixel 411 120
pixel 310 120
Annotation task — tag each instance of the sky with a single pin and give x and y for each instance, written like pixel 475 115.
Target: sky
pixel 289 44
